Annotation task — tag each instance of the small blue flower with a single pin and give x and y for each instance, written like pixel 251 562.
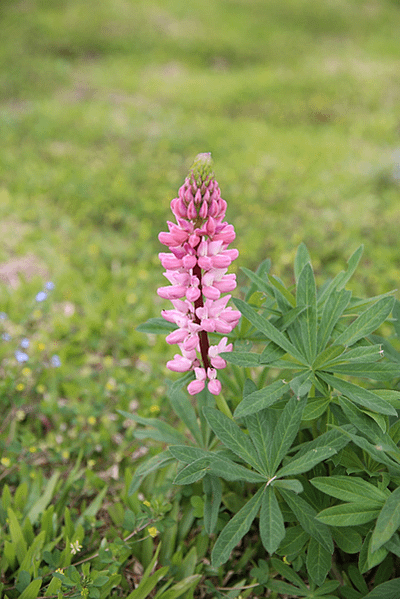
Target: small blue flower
pixel 25 343
pixel 41 296
pixel 6 337
pixel 3 316
pixel 55 361
pixel 49 285
pixel 21 356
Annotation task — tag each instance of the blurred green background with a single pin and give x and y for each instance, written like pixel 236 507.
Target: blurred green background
pixel 104 105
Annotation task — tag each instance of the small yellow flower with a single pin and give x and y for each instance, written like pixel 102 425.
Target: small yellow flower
pixel 32 449
pixel 26 371
pixel 154 409
pixel 60 570
pixel 6 462
pixel 41 346
pixel 37 314
pixel 40 388
pixel 20 415
pixel 147 503
pixel 111 384
pixel 108 361
pixel 65 454
pixel 20 387
pixel 75 547
pixel 91 463
pixel 153 532
pixel 91 420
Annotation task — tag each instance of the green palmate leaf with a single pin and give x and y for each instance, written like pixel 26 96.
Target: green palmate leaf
pixel 233 437
pixel 360 354
pixel 156 326
pixel 305 462
pixel 287 572
pixel 281 291
pixel 315 408
pixel 213 494
pixel 261 429
pixel 373 370
pixel 388 521
pixel 183 408
pixel 235 530
pixel 229 470
pixel 306 516
pixel 348 540
pixel 289 484
pixel 367 322
pixel 258 281
pixel 272 527
pixel 359 395
pixel 241 358
pixel 272 333
pixel 193 472
pixel 334 307
pixel 260 399
pixel 349 514
pixel 294 541
pixel 301 260
pixel 386 590
pixel 307 320
pixel 327 356
pixel 319 562
pixel 286 431
pixel 350 488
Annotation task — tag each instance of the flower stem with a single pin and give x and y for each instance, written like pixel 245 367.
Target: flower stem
pixel 203 335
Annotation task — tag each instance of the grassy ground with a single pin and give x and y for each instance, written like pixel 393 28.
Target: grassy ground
pixel 103 107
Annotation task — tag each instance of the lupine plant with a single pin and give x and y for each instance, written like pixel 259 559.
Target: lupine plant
pixel 299 464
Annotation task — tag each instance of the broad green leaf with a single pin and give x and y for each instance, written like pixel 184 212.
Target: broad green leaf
pixel 272 527
pixel 156 326
pixel 319 562
pixel 361 354
pixel 40 505
pixel 213 494
pixel 348 540
pixel 364 397
pixel 193 472
pixel 349 514
pixel 187 454
pixel 286 431
pixel 229 433
pixel 390 395
pixel 258 281
pixel 374 370
pixel 235 530
pixel 294 541
pixel 393 545
pixel 386 590
pixel 290 484
pixel 271 332
pixel 301 260
pixel 388 521
pixel 32 590
pixel 334 307
pixel 307 320
pixel 306 516
pixel 286 296
pixel 287 572
pixel 305 462
pixel 260 399
pixel 367 322
pixel 327 356
pixel 229 470
pixel 368 559
pixel 183 408
pixel 351 489
pixel 241 358
pixel 315 408
pixel 261 429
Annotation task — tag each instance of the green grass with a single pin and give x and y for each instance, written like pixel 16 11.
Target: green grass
pixel 103 107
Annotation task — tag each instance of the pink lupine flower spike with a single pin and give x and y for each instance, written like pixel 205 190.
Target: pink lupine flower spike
pixel 196 269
